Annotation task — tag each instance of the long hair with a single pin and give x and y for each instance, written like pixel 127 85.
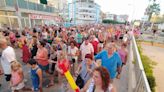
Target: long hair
pixel 15 64
pixel 105 77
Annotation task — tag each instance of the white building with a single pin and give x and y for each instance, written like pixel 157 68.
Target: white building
pixel 122 18
pixel 83 12
pixel 110 16
pixel 119 18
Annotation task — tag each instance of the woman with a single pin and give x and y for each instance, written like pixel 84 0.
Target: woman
pixel 123 53
pixel 100 82
pixel 101 40
pixel 33 46
pixel 23 38
pixel 42 59
pixel 44 34
pixel 42 56
pixel 85 69
pixel 73 53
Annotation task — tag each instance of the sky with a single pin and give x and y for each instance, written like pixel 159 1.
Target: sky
pixel 134 8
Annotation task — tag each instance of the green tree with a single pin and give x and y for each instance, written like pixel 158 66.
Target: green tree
pixel 153 9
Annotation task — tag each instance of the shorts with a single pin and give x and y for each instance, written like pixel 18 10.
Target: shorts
pixel 7 77
pixel 44 68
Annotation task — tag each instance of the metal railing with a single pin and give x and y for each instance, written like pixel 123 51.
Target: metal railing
pixel 23 4
pixel 142 84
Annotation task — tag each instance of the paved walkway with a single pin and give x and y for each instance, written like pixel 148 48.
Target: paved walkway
pixel 157 55
pixel 121 84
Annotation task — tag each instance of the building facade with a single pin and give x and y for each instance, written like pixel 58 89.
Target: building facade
pixel 83 12
pixel 24 13
pixel 119 18
pixel 110 16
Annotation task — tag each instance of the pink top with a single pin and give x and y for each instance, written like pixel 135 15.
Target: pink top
pixel 16 78
pixel 123 55
pixel 42 53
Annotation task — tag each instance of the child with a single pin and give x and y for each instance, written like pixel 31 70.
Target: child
pixel 36 75
pixel 62 61
pixel 53 57
pixel 17 78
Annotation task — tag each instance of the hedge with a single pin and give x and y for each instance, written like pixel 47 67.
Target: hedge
pixel 112 22
pixel 148 68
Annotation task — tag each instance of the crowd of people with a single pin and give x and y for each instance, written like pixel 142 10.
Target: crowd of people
pixel 94 54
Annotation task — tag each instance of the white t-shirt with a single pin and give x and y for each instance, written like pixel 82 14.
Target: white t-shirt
pixel 73 51
pixel 8 55
pixel 86 49
pixel 125 37
pixel 44 35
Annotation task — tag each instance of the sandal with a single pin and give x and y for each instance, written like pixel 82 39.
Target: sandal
pixel 49 85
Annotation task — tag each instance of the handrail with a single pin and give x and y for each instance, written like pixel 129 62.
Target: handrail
pixel 142 84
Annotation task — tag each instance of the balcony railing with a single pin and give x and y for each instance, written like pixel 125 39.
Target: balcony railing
pixel 23 4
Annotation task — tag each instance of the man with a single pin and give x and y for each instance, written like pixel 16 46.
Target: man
pixel 110 60
pixel 8 56
pixel 86 48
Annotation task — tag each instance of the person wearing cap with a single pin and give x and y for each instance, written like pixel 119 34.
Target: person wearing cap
pixel 86 48
pixel 86 67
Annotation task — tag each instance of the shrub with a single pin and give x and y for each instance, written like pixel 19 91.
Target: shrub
pixel 112 22
pixel 148 68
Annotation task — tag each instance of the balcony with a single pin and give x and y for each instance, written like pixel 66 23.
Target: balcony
pixel 23 4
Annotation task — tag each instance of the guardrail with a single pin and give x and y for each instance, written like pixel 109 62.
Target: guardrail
pixel 23 4
pixel 142 84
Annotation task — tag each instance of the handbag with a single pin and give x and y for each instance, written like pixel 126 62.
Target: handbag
pixel 80 81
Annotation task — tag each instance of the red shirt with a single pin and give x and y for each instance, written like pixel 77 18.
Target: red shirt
pixel 95 45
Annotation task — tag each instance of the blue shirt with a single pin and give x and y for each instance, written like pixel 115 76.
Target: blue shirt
pixel 110 63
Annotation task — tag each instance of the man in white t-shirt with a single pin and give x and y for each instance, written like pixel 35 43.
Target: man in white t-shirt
pixel 8 56
pixel 86 48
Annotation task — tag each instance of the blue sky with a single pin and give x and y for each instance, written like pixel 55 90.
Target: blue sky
pixel 134 8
